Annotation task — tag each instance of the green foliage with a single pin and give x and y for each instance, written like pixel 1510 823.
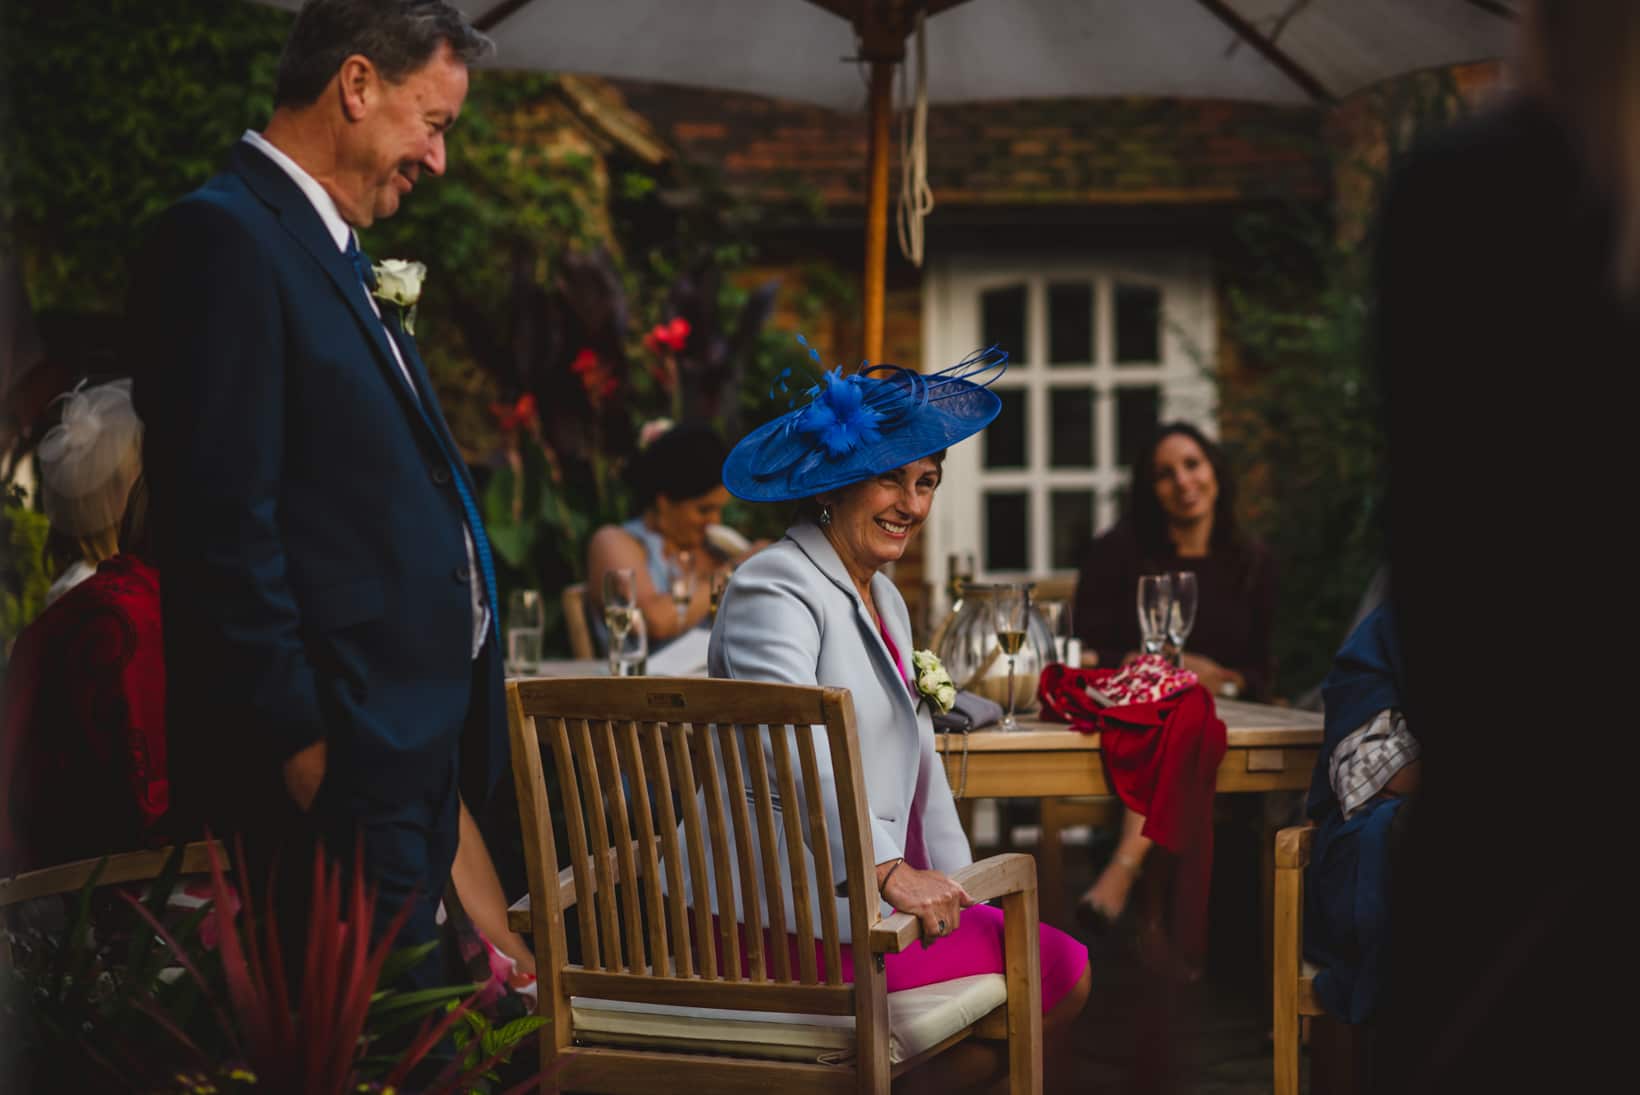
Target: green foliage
pixel 113 109
pixel 1309 422
pixel 479 1042
pixel 27 573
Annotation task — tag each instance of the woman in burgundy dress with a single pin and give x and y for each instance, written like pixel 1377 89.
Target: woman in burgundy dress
pixel 1181 517
pixel 82 744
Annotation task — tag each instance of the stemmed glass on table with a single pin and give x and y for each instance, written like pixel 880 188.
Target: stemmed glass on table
pixel 1181 616
pixel 682 584
pixel 622 618
pixel 1011 607
pixel 1155 610
pixel 525 624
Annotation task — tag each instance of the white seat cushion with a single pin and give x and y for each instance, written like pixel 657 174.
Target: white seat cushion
pixel 919 1019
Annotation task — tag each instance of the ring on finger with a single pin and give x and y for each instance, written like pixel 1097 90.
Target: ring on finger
pixel 942 930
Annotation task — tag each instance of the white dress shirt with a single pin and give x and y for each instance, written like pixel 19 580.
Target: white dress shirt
pixel 341 232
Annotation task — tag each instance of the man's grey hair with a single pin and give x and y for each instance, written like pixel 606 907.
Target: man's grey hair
pixel 398 37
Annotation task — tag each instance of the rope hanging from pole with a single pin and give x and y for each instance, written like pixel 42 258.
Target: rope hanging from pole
pixel 916 199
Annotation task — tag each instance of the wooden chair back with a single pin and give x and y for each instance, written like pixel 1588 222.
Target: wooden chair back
pixel 574 601
pixel 1294 988
pixel 124 867
pixel 642 767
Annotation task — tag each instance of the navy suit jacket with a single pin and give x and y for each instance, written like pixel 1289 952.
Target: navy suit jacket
pixel 305 518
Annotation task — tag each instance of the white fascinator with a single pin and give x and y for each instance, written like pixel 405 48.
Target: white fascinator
pixel 90 459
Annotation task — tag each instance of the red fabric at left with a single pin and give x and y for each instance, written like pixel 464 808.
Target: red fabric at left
pixel 1162 760
pixel 82 745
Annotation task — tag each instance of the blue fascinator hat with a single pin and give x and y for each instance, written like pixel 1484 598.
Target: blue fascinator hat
pixel 854 427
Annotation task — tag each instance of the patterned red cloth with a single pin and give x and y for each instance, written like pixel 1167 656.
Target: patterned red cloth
pixel 82 744
pixel 1162 760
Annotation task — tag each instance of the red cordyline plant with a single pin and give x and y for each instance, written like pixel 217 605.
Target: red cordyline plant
pixel 316 1044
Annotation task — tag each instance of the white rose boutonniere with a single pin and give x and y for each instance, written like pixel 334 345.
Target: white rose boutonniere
pixel 934 684
pixel 398 282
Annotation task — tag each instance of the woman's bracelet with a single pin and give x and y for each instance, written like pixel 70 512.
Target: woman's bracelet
pixel 883 885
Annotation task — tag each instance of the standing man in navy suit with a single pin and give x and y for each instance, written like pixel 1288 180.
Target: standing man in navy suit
pixel 329 599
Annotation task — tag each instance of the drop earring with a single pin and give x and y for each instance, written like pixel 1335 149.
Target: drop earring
pixel 825 516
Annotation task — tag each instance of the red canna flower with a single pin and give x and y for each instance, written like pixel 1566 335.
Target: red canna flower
pixel 671 336
pixel 522 413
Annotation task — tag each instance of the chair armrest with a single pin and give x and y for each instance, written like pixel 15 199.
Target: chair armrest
pixel 1013 872
pixel 1293 847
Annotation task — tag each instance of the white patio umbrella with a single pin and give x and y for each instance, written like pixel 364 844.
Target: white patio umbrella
pixel 842 54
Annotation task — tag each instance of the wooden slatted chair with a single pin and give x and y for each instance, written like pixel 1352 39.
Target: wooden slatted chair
pixel 649 1007
pixel 1294 988
pixel 574 600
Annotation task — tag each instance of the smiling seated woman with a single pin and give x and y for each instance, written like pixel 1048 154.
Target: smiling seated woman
pixel 865 455
pixel 678 488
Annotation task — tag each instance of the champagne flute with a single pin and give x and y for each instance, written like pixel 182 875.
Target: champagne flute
pixel 620 610
pixel 525 623
pixel 682 585
pixel 1155 606
pixel 628 657
pixel 1182 616
pixel 1010 607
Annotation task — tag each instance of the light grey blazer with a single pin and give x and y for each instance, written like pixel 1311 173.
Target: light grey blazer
pixel 791 615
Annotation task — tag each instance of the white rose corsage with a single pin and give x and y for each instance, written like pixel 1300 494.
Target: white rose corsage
pixel 398 282
pixel 934 684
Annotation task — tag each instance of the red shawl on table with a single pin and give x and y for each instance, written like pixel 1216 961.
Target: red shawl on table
pixel 1162 760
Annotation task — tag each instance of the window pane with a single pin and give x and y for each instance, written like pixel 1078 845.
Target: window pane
pixel 1006 527
pixel 1136 412
pixel 1070 415
pixel 1070 323
pixel 1005 438
pixel 1002 320
pixel 1138 324
pixel 1072 514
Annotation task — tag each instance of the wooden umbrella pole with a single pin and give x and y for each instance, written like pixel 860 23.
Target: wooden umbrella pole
pixel 877 162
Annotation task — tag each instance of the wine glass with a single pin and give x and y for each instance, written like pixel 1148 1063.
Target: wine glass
pixel 682 584
pixel 525 623
pixel 1010 607
pixel 628 656
pixel 620 609
pixel 1182 616
pixel 1155 606
pixel 959 572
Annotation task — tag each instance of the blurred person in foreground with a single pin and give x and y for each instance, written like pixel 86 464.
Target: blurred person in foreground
pixel 866 455
pixel 82 738
pixel 1508 283
pixel 1181 515
pixel 1360 795
pixel 329 599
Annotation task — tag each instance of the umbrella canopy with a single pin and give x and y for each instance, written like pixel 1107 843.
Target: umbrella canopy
pixel 1006 49
pixel 842 54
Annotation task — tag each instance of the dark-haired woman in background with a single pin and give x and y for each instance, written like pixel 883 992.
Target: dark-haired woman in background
pixel 677 484
pixel 1181 516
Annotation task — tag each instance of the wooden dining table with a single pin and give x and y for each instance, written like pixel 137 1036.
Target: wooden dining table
pixel 1269 749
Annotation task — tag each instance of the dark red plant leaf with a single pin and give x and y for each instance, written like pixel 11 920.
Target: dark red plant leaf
pixel 250 1006
pixel 222 1019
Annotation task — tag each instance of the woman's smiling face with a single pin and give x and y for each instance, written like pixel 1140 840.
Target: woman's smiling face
pixel 1185 483
pixel 873 521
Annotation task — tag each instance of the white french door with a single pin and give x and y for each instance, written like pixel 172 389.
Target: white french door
pixel 1100 349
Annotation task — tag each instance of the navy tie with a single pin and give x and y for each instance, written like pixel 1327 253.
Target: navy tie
pixel 361 263
pixel 475 524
